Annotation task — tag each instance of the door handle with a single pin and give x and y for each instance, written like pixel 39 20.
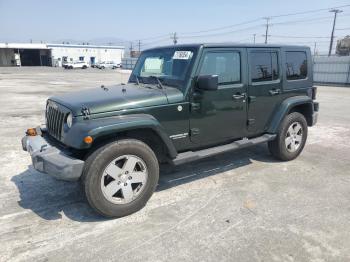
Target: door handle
pixel 239 96
pixel 274 92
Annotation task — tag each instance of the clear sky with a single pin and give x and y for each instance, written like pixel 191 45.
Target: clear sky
pixel 106 21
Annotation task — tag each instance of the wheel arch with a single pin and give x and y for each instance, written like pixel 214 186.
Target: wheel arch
pixel 138 126
pixel 147 135
pixel 300 104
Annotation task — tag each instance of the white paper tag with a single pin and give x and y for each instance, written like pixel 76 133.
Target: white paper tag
pixel 185 55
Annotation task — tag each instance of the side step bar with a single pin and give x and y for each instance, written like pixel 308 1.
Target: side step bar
pixel 190 156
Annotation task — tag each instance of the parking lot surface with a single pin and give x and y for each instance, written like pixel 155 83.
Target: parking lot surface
pixel 240 206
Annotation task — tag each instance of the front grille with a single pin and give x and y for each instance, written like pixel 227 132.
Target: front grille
pixel 54 120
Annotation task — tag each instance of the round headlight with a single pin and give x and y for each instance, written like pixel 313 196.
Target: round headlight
pixel 69 120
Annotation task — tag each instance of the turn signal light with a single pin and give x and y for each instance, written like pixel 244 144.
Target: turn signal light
pixel 31 132
pixel 88 139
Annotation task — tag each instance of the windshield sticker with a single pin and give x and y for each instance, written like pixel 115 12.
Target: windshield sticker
pixel 185 55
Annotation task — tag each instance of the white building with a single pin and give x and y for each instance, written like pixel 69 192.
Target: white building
pixel 28 54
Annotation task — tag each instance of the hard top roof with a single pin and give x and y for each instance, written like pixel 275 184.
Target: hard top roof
pixel 230 45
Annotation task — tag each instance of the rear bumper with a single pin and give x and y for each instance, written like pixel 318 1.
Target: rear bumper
pixel 315 113
pixel 314 118
pixel 51 160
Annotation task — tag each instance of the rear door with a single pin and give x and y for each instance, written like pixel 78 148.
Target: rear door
pixel 265 87
pixel 220 115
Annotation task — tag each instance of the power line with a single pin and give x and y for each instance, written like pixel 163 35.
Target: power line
pixel 310 11
pixel 222 33
pixel 161 38
pixel 258 19
pixel 290 36
pixel 303 20
pixel 221 28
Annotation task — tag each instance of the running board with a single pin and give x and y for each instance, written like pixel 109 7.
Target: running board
pixel 190 156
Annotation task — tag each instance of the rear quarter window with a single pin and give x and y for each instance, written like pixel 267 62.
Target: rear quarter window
pixel 296 65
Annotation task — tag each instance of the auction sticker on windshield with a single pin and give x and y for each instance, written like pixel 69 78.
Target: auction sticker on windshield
pixel 182 55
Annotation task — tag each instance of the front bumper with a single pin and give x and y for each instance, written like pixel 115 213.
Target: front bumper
pixel 51 160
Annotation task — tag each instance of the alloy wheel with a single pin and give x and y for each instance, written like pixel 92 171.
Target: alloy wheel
pixel 294 137
pixel 124 179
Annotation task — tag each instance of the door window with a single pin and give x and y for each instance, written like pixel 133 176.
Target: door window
pixel 264 66
pixel 226 65
pixel 296 65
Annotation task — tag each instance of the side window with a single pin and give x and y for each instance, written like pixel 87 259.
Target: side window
pixel 227 65
pixel 296 65
pixel 264 66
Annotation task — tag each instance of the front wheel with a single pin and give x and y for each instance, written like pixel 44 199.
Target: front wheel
pixel 120 177
pixel 291 137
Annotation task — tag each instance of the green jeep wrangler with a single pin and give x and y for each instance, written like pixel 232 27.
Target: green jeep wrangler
pixel 182 103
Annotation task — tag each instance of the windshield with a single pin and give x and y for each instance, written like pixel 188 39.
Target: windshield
pixel 171 65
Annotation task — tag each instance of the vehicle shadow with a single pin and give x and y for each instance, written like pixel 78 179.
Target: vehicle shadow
pixel 51 199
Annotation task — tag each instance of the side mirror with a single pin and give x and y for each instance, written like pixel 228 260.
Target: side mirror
pixel 208 82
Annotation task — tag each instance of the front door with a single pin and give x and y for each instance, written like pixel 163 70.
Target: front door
pixel 264 92
pixel 220 115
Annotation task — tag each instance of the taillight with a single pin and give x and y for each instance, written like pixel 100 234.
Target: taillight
pixel 312 92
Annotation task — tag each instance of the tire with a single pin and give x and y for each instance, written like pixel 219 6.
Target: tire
pixel 108 161
pixel 291 137
pixel 84 67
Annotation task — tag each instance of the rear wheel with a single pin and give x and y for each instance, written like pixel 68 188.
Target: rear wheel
pixel 291 137
pixel 120 177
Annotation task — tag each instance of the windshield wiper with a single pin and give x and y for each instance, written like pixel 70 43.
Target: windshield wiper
pixel 160 85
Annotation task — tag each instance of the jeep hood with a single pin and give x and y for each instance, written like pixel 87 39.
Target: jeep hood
pixel 117 97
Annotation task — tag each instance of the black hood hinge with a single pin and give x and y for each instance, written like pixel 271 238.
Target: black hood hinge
pixel 86 112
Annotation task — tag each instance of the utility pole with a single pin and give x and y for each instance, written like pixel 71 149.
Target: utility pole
pixel 267 28
pixel 174 37
pixel 139 44
pixel 254 35
pixel 335 11
pixel 131 48
pixel 315 45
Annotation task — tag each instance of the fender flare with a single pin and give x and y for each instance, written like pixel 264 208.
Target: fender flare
pixel 99 127
pixel 284 108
